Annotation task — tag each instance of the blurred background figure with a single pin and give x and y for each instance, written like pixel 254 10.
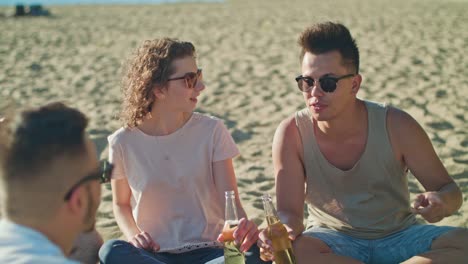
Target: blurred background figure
pixel 50 184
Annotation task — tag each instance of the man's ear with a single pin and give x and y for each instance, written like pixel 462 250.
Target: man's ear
pixel 76 203
pixel 356 83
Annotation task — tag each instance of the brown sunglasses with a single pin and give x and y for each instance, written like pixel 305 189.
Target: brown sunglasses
pixel 191 78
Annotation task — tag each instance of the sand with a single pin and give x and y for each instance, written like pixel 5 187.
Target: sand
pixel 413 56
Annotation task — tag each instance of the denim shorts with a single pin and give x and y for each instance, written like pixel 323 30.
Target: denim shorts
pixel 391 249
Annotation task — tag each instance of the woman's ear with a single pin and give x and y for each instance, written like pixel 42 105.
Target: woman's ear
pixel 159 92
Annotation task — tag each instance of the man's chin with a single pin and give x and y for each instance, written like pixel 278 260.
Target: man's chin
pixel 318 117
pixel 90 228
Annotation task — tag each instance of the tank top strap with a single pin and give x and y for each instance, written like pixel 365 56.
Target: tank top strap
pixel 306 131
pixel 377 121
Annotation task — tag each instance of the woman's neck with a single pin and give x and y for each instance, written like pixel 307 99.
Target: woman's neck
pixel 161 124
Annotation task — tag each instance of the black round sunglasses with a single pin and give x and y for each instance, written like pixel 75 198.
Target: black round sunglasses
pixel 103 175
pixel 327 83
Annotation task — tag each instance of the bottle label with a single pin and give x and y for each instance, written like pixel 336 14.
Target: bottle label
pixel 232 254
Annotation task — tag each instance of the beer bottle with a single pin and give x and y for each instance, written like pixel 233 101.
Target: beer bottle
pixel 232 254
pixel 278 234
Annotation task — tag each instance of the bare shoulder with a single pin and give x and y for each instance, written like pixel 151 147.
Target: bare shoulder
pixel 400 123
pixel 406 134
pixel 287 139
pixel 287 127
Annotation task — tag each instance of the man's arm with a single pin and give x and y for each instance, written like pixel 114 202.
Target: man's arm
pixel 410 142
pixel 289 175
pixel 290 196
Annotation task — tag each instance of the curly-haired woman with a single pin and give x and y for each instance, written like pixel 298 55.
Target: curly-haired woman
pixel 172 165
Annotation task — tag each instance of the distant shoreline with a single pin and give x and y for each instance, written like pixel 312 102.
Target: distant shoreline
pixel 11 3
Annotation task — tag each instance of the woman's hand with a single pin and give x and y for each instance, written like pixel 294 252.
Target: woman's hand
pixel 143 240
pixel 245 235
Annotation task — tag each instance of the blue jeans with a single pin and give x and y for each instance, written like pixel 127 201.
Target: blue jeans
pixel 119 251
pixel 391 249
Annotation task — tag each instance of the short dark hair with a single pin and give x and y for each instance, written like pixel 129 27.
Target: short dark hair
pixel 33 139
pixel 329 36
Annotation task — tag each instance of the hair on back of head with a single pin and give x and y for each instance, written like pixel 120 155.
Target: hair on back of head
pixel 36 136
pixel 150 65
pixel 329 36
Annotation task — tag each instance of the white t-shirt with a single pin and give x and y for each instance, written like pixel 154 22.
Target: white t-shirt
pixel 23 245
pixel 174 197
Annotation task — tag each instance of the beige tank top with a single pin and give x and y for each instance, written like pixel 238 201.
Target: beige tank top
pixel 369 201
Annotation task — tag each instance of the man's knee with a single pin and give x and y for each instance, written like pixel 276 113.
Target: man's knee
pixel 456 238
pixel 308 245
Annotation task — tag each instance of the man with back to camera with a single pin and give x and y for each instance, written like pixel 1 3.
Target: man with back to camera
pixel 348 159
pixel 50 180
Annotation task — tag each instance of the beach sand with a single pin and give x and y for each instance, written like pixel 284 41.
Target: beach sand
pixel 413 56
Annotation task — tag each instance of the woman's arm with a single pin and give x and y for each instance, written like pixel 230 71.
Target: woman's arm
pixel 121 193
pixel 225 180
pixel 122 210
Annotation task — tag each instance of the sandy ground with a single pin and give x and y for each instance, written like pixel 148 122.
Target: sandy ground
pixel 413 56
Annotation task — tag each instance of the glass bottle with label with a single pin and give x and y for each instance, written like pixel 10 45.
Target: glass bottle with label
pixel 232 254
pixel 278 234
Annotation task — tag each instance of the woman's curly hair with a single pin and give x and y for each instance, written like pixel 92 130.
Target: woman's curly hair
pixel 150 65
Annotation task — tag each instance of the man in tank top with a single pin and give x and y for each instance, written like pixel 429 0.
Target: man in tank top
pixel 348 159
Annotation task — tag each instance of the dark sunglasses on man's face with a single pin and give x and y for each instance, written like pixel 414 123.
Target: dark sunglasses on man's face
pixel 327 83
pixel 191 78
pixel 103 175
